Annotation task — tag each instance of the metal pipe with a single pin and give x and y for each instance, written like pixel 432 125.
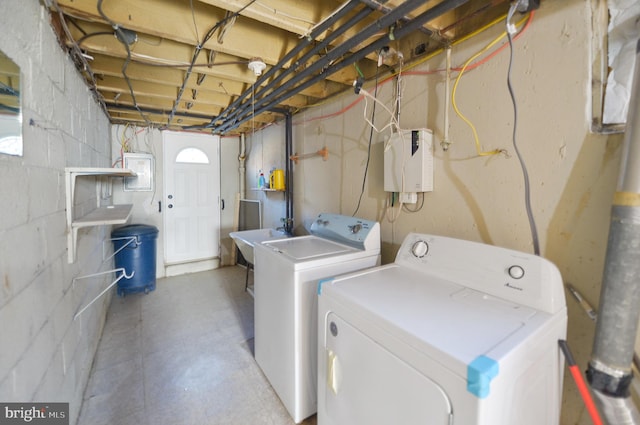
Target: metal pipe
pixel 610 372
pixel 306 41
pixel 430 14
pixel 288 194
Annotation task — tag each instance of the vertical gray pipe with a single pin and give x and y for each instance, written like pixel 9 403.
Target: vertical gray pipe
pixel 288 173
pixel 609 372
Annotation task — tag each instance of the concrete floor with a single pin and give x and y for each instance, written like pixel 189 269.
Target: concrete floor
pixel 182 355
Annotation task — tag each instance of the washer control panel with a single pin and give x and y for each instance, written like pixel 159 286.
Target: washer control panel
pixel 515 276
pixel 353 231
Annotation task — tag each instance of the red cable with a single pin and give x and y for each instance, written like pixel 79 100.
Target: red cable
pixel 582 387
pixel 470 67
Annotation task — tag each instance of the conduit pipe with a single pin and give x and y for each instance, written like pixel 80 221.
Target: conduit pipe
pixel 288 193
pixel 236 108
pixel 276 96
pixel 609 372
pixel 306 41
pixel 377 5
pixel 336 53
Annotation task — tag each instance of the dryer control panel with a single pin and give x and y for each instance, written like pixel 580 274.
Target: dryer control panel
pixel 355 232
pixel 525 279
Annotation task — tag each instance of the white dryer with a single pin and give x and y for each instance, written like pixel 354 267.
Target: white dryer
pixel 452 333
pixel 285 315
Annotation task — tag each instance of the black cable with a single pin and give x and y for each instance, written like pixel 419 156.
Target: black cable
pixel 84 37
pixel 121 37
pixel 366 167
pixel 196 53
pixel 11 109
pixel 525 173
pixel 78 56
pixel 6 89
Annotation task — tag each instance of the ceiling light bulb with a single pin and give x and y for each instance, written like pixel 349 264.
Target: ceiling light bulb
pixel 257 66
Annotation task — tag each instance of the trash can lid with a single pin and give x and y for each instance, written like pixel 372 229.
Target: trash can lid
pixel 134 230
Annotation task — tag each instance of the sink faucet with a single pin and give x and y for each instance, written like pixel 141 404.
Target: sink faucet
pixel 287 226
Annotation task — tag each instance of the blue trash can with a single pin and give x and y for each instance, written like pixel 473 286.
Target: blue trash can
pixel 138 257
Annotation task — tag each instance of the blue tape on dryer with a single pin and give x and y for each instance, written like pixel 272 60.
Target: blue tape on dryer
pixel 480 372
pixel 322 282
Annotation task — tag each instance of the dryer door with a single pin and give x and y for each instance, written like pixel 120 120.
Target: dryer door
pixel 395 394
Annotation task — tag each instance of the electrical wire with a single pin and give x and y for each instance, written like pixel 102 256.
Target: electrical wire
pixel 366 167
pixel 476 139
pixel 436 71
pixel 195 25
pixel 525 173
pixel 196 65
pixel 310 30
pixel 286 15
pixel 415 210
pixel 86 36
pixel 393 123
pixel 196 53
pixel 79 55
pixel 125 65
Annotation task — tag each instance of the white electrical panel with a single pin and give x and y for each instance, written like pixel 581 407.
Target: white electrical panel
pixel 142 164
pixel 408 163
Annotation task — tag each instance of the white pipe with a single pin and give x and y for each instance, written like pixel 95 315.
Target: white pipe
pixel 242 169
pixel 447 98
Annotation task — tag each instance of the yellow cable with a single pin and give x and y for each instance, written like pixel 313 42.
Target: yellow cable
pixel 455 106
pixel 455 87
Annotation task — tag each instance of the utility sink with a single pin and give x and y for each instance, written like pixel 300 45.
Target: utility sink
pixel 247 239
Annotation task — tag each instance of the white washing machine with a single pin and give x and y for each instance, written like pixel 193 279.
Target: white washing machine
pixel 452 333
pixel 286 315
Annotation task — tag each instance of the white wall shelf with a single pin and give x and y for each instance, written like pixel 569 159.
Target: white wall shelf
pixel 102 215
pixel 266 190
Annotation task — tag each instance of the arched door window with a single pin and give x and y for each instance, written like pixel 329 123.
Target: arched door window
pixel 192 156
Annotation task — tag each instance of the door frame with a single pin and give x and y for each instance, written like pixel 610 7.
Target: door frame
pixel 189 266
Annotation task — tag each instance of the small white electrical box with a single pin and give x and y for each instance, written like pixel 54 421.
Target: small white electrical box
pixel 408 162
pixel 143 165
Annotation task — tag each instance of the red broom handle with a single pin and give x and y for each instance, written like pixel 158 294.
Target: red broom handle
pixel 582 386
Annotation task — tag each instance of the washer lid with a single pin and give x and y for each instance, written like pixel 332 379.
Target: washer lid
pixel 308 247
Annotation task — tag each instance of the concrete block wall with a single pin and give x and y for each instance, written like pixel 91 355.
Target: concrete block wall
pixel 46 355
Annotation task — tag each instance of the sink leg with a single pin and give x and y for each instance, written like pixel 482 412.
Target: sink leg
pixel 246 281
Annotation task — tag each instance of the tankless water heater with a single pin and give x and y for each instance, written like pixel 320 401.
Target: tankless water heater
pixel 408 162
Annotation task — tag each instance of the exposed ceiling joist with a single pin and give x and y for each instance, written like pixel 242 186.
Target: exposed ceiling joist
pixel 184 63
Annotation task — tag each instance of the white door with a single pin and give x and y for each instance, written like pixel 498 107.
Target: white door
pixel 191 196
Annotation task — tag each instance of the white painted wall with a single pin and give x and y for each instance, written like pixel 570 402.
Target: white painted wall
pixel 229 193
pixel 573 172
pixel 45 355
pixel 266 151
